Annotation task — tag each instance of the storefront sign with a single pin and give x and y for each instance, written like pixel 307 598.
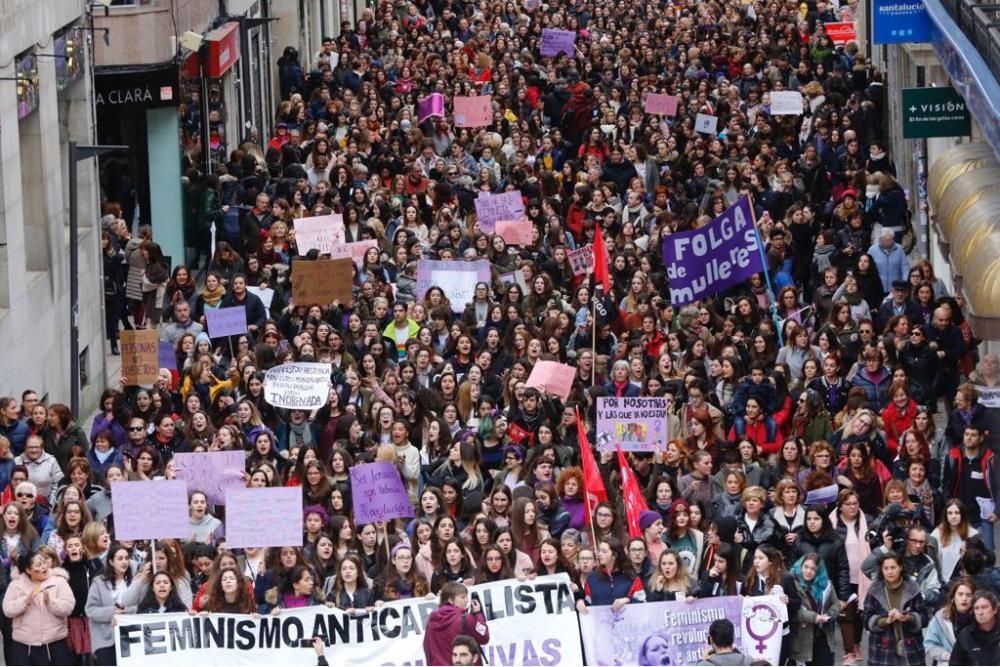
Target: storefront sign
pixel 900 22
pixel 136 88
pixel 935 112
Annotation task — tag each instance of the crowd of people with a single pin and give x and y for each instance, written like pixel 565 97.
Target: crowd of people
pixel 827 442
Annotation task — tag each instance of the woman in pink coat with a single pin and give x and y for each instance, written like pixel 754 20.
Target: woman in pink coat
pixel 39 601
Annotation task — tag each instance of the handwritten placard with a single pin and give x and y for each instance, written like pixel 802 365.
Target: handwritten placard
pixel 503 206
pixel 356 251
pixel 581 260
pixel 323 281
pixel 473 111
pixel 226 321
pixel 301 385
pixel 140 350
pixel 786 103
pixel 555 42
pixel 515 232
pixel 378 493
pixel 150 510
pixel 212 473
pixel 264 517
pixel 457 279
pixel 663 105
pixel 552 377
pixel 322 232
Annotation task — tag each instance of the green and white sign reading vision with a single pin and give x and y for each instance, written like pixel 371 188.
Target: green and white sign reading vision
pixel 935 112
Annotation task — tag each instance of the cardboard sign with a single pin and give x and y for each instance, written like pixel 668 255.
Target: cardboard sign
pixel 322 232
pixel 323 281
pixel 268 517
pixel 705 124
pixel 140 356
pixel 212 473
pixel 491 208
pixel 515 232
pixel 151 510
pixel 553 378
pixel 581 260
pixel 378 493
pixel 300 385
pixel 430 106
pixel 786 103
pixel 226 321
pixel 473 111
pixel 664 105
pixel 555 42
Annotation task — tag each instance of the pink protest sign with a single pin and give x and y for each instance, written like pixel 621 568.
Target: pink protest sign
pixel 581 260
pixel 378 493
pixel 322 232
pixel 504 206
pixel 515 232
pixel 664 105
pixel 473 111
pixel 555 42
pixel 212 473
pixel 266 517
pixel 552 377
pixel 356 251
pixel 152 510
pixel 432 105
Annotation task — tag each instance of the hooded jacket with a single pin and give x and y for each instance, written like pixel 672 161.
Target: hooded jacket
pixel 446 623
pixel 38 622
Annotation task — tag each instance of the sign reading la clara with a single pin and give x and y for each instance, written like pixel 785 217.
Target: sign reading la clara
pixel 935 112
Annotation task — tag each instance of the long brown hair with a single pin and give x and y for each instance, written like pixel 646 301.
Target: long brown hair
pixel 245 603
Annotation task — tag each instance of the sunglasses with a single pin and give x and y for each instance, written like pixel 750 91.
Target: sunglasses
pixel 135 429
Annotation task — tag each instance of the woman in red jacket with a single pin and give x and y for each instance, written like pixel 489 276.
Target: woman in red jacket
pixel 898 416
pixel 450 620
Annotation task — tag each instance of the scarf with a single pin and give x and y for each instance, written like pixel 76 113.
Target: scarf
pixel 213 297
pixel 926 495
pixel 299 435
pixel 894 594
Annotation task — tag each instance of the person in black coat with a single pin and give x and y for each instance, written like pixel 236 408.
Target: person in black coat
pixel 979 642
pixel 767 572
pixel 114 288
pixel 921 363
pixel 239 296
pixel 819 537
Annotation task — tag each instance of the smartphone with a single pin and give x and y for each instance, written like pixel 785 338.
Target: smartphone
pixel 306 643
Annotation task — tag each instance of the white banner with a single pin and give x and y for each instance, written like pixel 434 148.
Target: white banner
pixel 301 385
pixel 989 397
pixel 530 623
pixel 676 633
pixel 786 103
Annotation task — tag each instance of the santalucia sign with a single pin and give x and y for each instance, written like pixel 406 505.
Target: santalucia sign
pixel 533 622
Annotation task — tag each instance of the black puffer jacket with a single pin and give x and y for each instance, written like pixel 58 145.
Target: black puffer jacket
pixel 830 547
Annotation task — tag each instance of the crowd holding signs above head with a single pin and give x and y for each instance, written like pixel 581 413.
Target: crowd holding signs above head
pixel 632 286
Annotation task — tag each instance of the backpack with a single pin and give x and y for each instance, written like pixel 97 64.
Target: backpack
pixel 230 231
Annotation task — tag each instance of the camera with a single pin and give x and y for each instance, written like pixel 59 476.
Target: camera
pixel 895 520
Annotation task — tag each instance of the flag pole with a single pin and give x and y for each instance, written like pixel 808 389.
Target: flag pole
pixel 593 337
pixel 767 273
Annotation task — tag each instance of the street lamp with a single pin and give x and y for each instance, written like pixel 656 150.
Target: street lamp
pixel 76 153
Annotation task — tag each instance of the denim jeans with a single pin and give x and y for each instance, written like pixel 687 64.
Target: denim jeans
pixel 985 529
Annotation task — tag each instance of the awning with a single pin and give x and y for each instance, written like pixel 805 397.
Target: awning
pixel 964 193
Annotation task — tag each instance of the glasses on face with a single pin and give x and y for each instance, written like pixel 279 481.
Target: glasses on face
pixel 134 429
pixel 916 333
pixel 867 331
pixel 23 495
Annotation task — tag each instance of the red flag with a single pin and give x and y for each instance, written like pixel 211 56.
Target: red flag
pixel 631 495
pixel 601 262
pixel 593 485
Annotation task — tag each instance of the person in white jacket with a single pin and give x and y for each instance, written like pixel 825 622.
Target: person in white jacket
pixel 943 628
pixel 408 456
pixel 43 468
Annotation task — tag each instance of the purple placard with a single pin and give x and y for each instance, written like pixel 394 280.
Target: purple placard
pixel 490 209
pixel 378 493
pixel 706 261
pixel 555 42
pixel 432 105
pixel 226 321
pixel 166 356
pixel 457 278
pixel 634 424
pixel 212 473
pixel 150 510
pixel 264 517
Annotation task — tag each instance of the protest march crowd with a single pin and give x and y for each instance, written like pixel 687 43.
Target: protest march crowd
pixel 612 295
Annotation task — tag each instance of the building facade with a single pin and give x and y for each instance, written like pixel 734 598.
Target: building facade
pixel 45 102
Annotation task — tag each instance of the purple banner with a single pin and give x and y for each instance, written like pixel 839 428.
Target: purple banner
pixel 432 105
pixel 490 209
pixel 634 424
pixel 166 356
pixel 706 261
pixel 555 42
pixel 150 510
pixel 378 493
pixel 226 321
